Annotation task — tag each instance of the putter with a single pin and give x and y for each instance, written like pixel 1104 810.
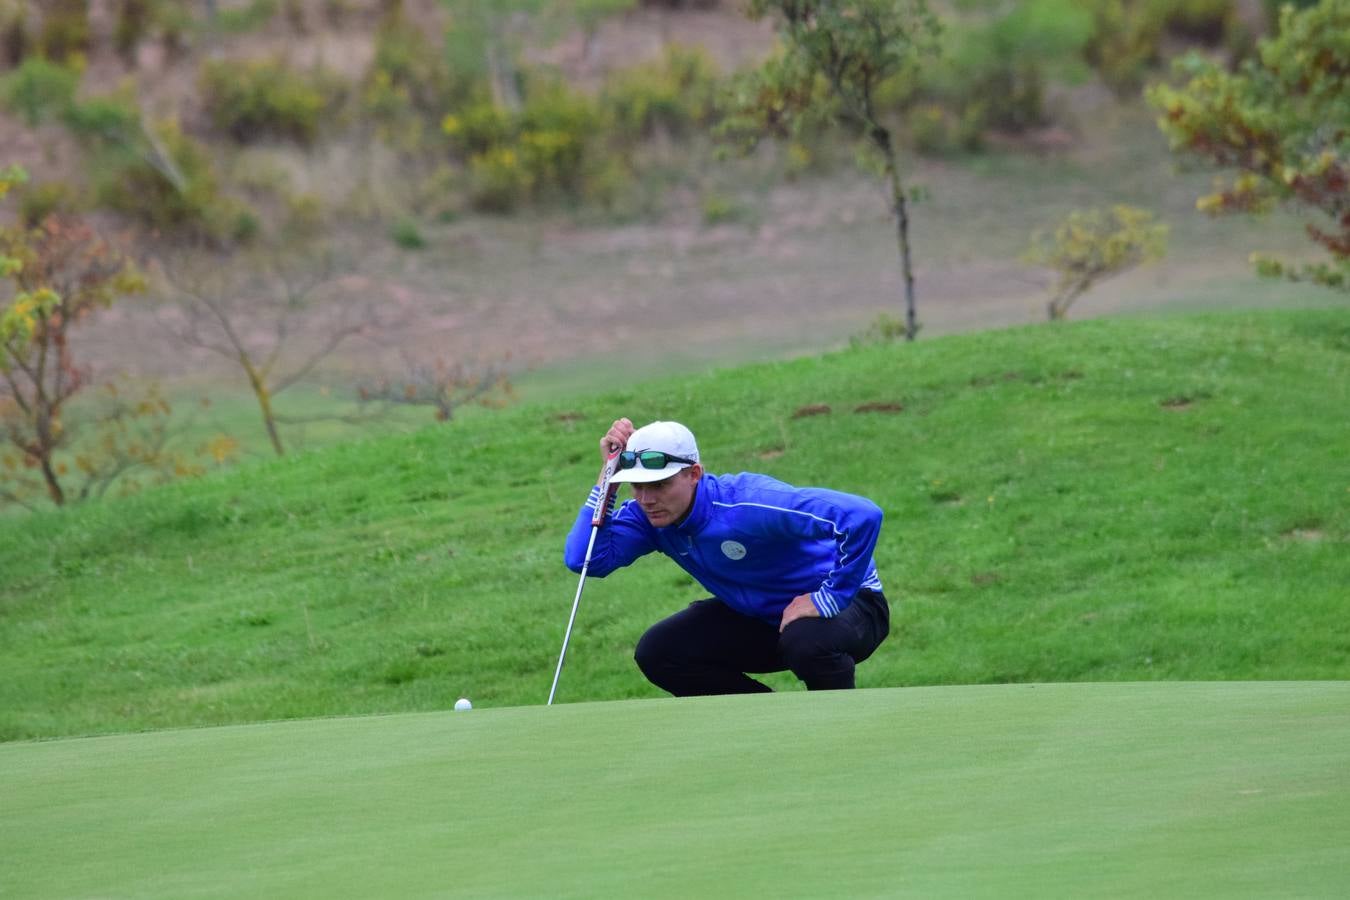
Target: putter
pixel 602 504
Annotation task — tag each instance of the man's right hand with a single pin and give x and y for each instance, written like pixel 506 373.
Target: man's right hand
pixel 616 438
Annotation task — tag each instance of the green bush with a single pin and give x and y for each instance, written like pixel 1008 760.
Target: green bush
pixel 407 60
pixel 409 87
pixel 163 180
pixel 39 90
pixel 552 149
pixel 718 209
pixel 557 135
pixel 1272 9
pixel 186 204
pixel 937 131
pixel 884 329
pixel 266 99
pixel 478 127
pixel 245 19
pixel 610 185
pixel 112 118
pixel 389 108
pixel 674 96
pixel 1126 44
pixel 38 201
pixel 498 182
pixel 995 72
pixel 406 234
pixel 565 145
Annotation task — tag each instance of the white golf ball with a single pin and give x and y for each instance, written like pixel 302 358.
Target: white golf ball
pixel 463 703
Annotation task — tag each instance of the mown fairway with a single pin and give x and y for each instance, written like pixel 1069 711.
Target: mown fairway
pixel 1118 500
pixel 1127 790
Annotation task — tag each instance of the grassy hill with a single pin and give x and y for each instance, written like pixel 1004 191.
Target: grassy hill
pixel 1101 790
pixel 1117 500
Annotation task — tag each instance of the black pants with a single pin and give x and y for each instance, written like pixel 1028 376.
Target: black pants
pixel 708 648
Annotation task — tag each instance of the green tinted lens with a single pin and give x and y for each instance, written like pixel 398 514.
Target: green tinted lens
pixel 653 459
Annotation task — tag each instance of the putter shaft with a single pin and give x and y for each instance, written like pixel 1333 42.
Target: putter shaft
pixel 576 601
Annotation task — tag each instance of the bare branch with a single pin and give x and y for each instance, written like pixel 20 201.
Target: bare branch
pixel 440 384
pixel 334 341
pixel 279 290
pixel 11 497
pixel 13 385
pixel 346 419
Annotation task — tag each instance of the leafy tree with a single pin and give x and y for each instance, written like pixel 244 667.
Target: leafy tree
pixel 123 435
pixel 836 55
pixel 1281 125
pixel 1088 247
pixel 62 272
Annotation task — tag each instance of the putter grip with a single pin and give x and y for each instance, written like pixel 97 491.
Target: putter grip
pixel 607 488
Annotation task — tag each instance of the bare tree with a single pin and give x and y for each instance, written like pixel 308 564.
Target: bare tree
pixel 276 315
pixel 441 384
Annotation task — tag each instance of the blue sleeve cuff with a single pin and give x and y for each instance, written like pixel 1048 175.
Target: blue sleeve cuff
pixel 825 603
pixel 594 499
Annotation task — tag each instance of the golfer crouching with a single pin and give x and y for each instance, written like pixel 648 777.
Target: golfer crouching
pixel 790 569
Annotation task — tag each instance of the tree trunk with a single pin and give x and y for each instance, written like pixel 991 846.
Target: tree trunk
pixel 264 396
pixel 45 445
pixel 900 207
pixel 53 486
pixel 1060 302
pixel 265 401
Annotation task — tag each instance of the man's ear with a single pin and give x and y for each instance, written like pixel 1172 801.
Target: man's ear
pixel 697 469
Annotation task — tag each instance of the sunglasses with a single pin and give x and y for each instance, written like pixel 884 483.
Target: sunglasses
pixel 649 459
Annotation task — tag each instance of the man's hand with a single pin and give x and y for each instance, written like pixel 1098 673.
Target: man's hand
pixel 616 438
pixel 801 607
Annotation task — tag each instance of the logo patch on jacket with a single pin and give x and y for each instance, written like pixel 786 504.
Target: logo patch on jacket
pixel 733 549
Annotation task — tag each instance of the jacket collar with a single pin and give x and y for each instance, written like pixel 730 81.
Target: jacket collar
pixel 700 510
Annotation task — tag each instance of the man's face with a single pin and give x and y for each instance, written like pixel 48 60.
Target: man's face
pixel 665 502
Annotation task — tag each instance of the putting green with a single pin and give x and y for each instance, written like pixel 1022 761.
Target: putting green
pixel 1173 789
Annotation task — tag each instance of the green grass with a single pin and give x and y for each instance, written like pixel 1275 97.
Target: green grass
pixel 1127 790
pixel 309 417
pixel 1116 500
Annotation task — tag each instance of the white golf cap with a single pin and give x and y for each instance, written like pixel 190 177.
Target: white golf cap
pixel 671 438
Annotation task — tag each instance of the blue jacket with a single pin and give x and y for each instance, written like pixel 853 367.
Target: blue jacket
pixel 753 542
